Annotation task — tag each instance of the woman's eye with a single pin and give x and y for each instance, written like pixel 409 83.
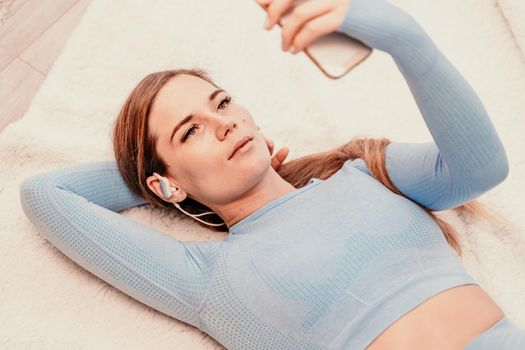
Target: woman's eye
pixel 227 100
pixel 189 132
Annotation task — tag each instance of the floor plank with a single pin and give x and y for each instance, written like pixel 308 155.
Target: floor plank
pixel 18 84
pixel 26 24
pixel 43 52
pixel 8 8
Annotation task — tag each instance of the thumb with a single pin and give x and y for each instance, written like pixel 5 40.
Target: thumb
pixel 278 158
pixel 283 153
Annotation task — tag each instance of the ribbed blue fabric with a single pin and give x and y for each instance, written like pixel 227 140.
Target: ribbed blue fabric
pixel 328 266
pixel 502 335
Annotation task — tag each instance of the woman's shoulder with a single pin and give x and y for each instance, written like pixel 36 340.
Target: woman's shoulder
pixel 357 163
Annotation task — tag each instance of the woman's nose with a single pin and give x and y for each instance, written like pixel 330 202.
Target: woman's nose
pixel 224 127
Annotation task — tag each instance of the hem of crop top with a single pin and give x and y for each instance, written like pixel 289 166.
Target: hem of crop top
pixel 236 227
pixel 378 316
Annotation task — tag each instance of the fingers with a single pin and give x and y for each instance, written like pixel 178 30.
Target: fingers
pixel 270 146
pixel 282 154
pixel 313 30
pixel 279 158
pixel 303 15
pixel 275 10
pixel 269 143
pixel 304 21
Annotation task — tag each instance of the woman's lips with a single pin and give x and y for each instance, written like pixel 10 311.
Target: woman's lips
pixel 245 147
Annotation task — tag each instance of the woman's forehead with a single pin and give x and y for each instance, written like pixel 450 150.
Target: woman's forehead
pixel 184 89
pixel 178 98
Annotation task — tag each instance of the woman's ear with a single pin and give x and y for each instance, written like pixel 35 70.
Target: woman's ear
pixel 175 193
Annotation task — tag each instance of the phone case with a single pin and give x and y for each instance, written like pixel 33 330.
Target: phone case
pixel 335 54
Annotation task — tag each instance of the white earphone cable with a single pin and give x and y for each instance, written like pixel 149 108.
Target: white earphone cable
pixel 195 216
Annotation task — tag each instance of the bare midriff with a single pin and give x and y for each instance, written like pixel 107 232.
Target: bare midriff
pixel 448 320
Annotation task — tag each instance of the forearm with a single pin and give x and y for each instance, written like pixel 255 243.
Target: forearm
pixel 454 114
pixel 98 182
pixel 75 208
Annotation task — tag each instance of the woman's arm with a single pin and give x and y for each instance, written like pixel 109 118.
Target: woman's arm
pixel 467 158
pixel 76 209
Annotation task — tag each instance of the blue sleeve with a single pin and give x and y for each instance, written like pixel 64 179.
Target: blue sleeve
pixel 467 157
pixel 76 209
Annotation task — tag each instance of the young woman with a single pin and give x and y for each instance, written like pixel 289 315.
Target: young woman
pixel 337 250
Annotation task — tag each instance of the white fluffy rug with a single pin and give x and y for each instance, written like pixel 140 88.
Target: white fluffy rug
pixel 49 302
pixel 514 13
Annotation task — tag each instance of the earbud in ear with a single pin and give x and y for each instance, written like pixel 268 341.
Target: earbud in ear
pixel 165 187
pixel 167 192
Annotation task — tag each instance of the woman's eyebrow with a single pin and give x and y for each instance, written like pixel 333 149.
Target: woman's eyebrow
pixel 189 117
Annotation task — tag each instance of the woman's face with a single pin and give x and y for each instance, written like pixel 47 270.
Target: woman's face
pixel 198 154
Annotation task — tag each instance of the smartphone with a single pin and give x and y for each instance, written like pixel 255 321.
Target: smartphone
pixel 335 54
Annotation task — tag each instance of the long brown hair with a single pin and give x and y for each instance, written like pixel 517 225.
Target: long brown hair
pixel 134 148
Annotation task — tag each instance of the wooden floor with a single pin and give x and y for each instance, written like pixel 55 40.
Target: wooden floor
pixel 32 34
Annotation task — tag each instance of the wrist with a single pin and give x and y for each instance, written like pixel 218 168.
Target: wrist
pixel 381 26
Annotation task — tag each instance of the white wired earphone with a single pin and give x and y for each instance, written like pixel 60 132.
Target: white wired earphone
pixel 167 192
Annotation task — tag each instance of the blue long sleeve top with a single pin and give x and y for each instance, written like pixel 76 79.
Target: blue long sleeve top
pixel 328 266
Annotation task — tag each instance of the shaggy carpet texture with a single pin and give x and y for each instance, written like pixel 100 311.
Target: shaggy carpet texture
pixel 514 13
pixel 50 302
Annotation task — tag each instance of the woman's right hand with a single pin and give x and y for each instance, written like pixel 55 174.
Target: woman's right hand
pixel 308 21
